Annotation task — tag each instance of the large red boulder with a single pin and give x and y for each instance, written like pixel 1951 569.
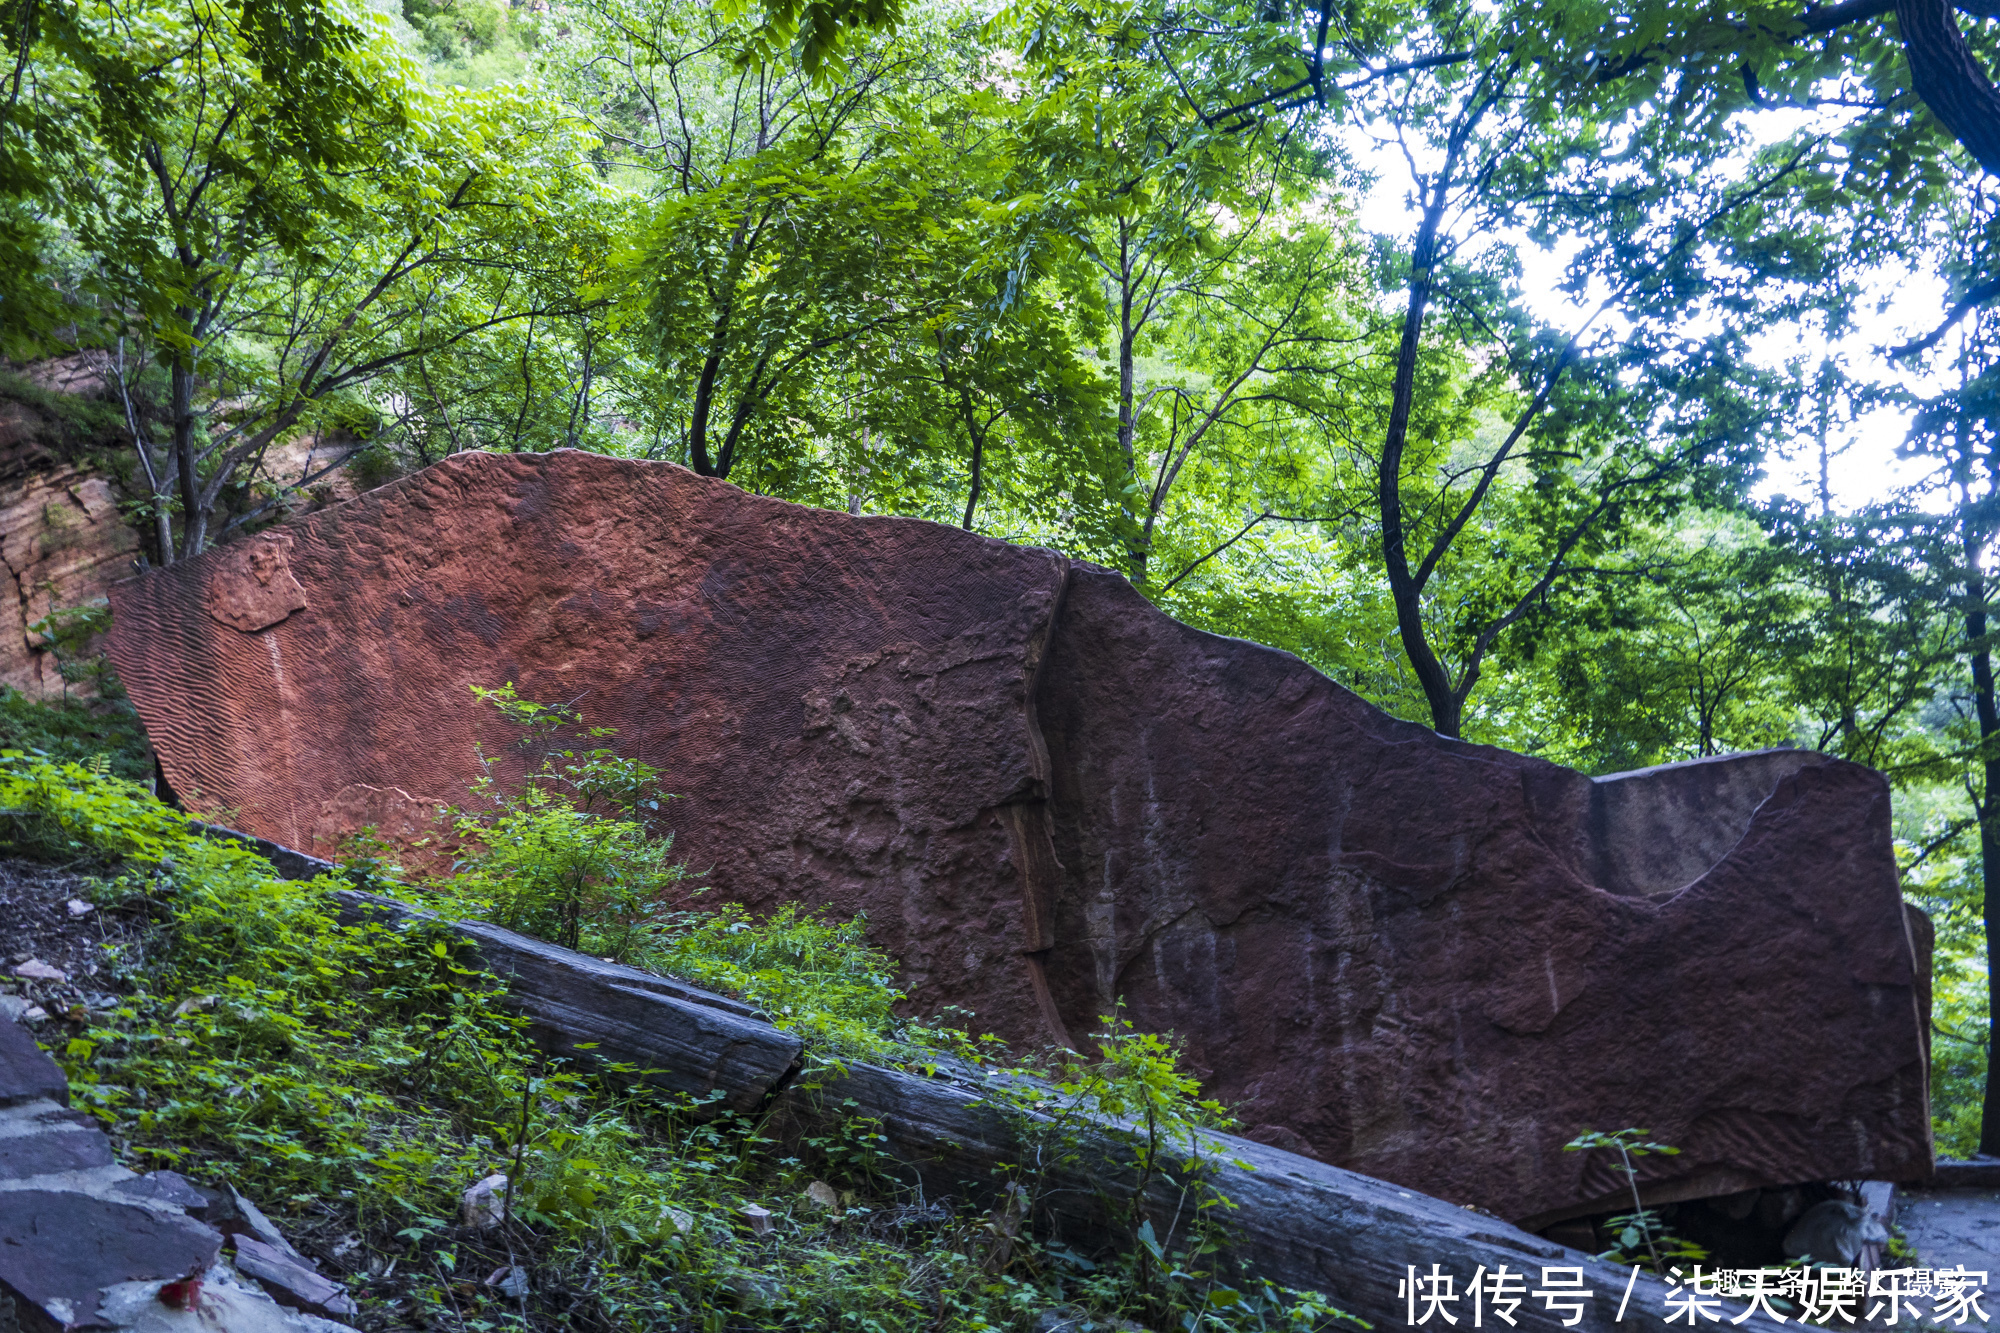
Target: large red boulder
pixel 1426 960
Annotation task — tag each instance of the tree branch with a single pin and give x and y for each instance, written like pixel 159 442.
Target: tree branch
pixel 1973 299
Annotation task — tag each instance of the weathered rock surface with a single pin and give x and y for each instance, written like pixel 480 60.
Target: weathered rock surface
pixel 290 1280
pixel 841 733
pixel 59 1249
pixel 62 544
pixel 1437 962
pixel 1429 961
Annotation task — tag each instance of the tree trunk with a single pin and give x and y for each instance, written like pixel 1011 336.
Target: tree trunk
pixel 1127 379
pixel 1944 73
pixel 194 515
pixel 704 398
pixel 1989 826
pixel 1445 704
pixel 978 437
pixel 718 346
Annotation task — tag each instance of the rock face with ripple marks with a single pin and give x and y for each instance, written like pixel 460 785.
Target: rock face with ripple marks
pixel 1421 959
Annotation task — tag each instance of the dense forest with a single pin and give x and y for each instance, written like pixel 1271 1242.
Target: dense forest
pixel 1115 278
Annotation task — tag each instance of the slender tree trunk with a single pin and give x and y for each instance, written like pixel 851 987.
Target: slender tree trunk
pixel 579 413
pixel 718 346
pixel 704 397
pixel 157 486
pixel 1445 703
pixel 180 404
pixel 978 438
pixel 1128 431
pixel 1989 820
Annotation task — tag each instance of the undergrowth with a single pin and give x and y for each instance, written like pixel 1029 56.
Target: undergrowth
pixel 78 730
pixel 356 1079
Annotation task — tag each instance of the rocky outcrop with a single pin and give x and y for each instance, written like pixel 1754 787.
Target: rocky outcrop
pixel 1437 962
pixel 64 446
pixel 1425 960
pixel 62 539
pixel 62 544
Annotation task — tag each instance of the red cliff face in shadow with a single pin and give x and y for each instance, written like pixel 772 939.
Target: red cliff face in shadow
pixel 1425 960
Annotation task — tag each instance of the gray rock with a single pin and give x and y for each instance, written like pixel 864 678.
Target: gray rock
pixel 168 1187
pixel 290 1280
pixel 1832 1232
pixel 237 1216
pixel 221 1303
pixel 55 1141
pixel 59 1250
pixel 484 1206
pixel 26 1072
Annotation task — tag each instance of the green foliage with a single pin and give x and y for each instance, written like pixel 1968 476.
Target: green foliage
pixel 821 978
pixel 1134 1091
pixel 276 209
pixel 105 730
pixel 1642 1226
pixel 568 855
pixel 309 1059
pixel 68 811
pixel 569 846
pixel 70 633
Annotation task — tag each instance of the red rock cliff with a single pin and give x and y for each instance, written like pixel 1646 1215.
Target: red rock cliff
pixel 1426 960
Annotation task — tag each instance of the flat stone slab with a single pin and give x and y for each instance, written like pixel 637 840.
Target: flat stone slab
pixel 59 1250
pixel 165 1187
pixel 290 1280
pixel 1980 1171
pixel 50 1142
pixel 1952 1226
pixel 27 1073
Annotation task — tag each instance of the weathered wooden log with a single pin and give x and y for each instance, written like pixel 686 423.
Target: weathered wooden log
pixel 679 1038
pixel 1296 1222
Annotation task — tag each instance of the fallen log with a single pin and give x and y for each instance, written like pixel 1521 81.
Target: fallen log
pixel 1295 1222
pixel 964 1133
